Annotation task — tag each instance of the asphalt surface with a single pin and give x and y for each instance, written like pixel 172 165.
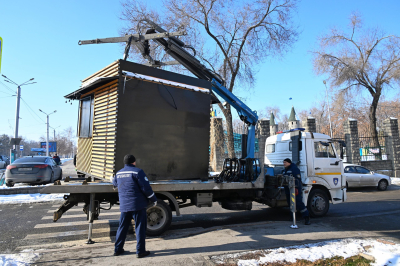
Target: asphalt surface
pixel 367 212
pixel 30 226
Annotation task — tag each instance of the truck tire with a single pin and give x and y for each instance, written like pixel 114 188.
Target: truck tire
pixel 159 218
pixel 318 203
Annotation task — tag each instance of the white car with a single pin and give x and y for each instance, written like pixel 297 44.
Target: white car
pixel 359 176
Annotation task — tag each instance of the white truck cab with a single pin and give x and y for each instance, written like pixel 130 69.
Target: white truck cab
pixel 320 166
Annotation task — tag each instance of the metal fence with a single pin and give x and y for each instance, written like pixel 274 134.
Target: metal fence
pixel 369 150
pixel 237 145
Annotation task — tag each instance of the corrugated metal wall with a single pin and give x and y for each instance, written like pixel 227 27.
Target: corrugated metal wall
pixel 84 155
pixel 104 131
pixel 96 154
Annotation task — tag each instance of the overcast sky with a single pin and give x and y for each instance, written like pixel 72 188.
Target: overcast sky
pixel 40 40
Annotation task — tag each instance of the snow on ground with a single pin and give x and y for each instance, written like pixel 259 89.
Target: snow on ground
pixel 384 252
pixel 30 198
pixel 23 185
pixel 24 258
pixel 65 160
pixel 395 181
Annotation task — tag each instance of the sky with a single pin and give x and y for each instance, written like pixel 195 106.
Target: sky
pixel 40 41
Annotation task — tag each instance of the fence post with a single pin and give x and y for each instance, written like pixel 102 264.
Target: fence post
pixel 216 144
pixel 352 141
pixel 392 143
pixel 263 133
pixel 309 124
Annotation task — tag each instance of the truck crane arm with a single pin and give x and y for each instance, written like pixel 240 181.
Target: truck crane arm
pixel 176 49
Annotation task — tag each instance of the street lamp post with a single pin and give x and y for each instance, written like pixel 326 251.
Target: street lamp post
pixel 28 82
pixel 54 132
pixel 329 109
pixel 47 138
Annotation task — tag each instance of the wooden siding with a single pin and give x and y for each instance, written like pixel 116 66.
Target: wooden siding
pixel 109 71
pixel 104 130
pixel 84 155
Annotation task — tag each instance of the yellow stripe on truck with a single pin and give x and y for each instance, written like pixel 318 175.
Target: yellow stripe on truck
pixel 328 173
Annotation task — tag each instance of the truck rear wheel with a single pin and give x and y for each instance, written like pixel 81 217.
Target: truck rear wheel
pixel 318 203
pixel 159 218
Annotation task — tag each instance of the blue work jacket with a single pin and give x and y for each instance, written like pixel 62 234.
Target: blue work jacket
pixel 292 170
pixel 134 190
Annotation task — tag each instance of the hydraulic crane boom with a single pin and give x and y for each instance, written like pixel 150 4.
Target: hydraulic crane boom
pixel 176 49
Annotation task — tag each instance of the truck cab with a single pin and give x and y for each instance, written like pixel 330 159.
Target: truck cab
pixel 319 163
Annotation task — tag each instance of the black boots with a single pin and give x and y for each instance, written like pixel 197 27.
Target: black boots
pixel 307 220
pixel 142 255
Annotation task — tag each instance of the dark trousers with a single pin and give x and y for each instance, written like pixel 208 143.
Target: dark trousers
pixel 140 218
pixel 299 199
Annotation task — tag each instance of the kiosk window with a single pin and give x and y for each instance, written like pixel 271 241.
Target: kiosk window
pixel 86 118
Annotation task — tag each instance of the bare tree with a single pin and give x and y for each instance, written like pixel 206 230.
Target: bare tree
pixel 360 59
pixel 231 37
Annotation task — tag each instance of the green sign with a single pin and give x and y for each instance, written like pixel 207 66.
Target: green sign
pixel 1 49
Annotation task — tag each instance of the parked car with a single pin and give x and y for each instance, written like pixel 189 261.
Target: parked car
pixel 3 164
pixel 33 170
pixel 359 176
pixel 5 159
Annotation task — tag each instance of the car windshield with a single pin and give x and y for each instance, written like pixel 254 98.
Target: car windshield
pixel 31 160
pixel 362 170
pixel 350 169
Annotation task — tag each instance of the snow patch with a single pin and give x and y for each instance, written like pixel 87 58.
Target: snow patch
pixel 395 180
pixel 384 253
pixel 30 198
pixel 24 258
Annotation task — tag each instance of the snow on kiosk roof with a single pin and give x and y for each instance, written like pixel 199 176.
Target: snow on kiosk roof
pixel 111 73
pixel 159 116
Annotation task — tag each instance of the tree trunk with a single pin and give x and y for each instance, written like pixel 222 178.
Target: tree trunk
pixel 372 123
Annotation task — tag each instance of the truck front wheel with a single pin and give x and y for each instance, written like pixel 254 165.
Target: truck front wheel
pixel 159 218
pixel 318 203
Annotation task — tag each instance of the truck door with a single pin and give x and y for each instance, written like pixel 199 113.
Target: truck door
pixel 326 164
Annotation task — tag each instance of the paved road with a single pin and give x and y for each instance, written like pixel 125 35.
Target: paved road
pixel 30 226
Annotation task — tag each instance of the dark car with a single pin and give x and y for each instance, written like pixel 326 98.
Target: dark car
pixel 33 170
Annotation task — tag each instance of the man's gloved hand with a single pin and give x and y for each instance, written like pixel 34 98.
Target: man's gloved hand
pixel 155 203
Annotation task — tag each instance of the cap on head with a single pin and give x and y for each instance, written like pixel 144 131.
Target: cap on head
pixel 129 158
pixel 287 160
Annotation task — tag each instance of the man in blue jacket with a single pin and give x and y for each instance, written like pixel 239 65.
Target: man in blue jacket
pixel 134 192
pixel 292 169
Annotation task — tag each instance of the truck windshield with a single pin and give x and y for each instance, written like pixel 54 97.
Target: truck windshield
pixel 270 148
pixel 324 150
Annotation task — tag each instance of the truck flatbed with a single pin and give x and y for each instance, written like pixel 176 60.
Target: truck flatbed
pixel 157 186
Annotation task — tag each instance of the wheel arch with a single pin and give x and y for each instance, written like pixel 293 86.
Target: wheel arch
pixel 171 199
pixel 322 188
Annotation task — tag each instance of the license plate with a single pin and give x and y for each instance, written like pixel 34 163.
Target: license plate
pixel 24 169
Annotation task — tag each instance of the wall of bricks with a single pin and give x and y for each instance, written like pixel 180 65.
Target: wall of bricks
pixel 309 124
pixel 377 165
pixel 352 142
pixel 263 132
pixel 391 128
